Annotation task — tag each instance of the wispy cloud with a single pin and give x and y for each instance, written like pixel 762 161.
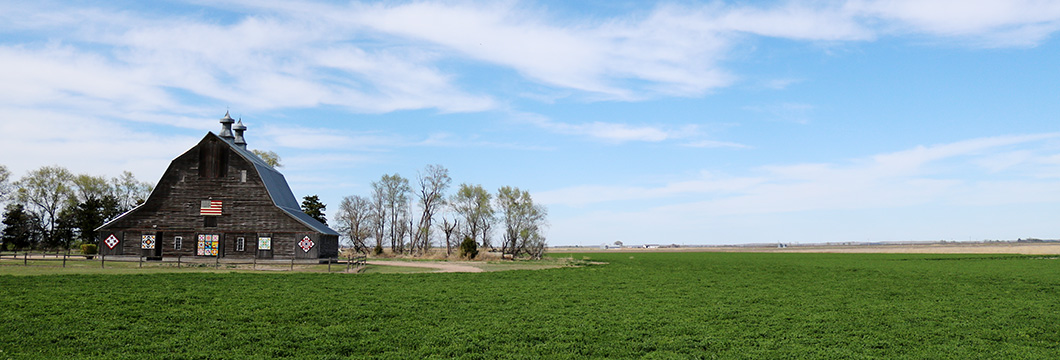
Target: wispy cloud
pixel 920 175
pixel 386 57
pixel 612 131
pixel 987 22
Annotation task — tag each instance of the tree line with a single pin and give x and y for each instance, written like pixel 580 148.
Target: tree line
pixel 408 219
pixel 52 208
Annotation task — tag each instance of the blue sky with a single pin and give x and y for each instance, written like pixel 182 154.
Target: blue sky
pixel 668 122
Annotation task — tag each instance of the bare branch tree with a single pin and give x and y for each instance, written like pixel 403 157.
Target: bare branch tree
pixel 354 220
pixel 392 192
pixel 433 181
pixel 449 227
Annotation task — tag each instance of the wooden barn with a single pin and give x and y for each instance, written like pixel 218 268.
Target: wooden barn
pixel 218 199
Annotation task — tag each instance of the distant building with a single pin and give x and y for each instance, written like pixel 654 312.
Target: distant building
pixel 219 200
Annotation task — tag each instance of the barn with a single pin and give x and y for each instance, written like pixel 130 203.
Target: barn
pixel 218 199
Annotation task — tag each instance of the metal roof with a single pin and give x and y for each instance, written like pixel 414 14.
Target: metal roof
pixel 279 191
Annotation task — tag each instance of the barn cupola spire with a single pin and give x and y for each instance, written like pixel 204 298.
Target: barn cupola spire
pixel 226 127
pixel 239 128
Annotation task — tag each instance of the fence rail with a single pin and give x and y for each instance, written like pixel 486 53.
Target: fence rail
pixel 352 263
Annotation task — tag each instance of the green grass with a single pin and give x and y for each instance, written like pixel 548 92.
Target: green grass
pixel 647 305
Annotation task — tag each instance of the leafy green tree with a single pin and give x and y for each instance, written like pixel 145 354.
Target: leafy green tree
pixel 472 204
pixel 91 187
pixel 269 157
pixel 21 228
pixel 5 183
pixel 312 206
pixel 129 192
pixel 45 192
pixel 79 222
pixel 523 222
pixel 468 248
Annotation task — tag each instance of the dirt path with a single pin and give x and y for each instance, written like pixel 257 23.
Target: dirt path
pixel 439 265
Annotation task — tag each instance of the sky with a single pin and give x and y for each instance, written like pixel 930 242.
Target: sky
pixel 674 122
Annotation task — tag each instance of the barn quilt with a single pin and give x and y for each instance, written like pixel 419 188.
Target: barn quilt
pixel 111 241
pixel 147 242
pixel 264 243
pixel 306 244
pixel 208 245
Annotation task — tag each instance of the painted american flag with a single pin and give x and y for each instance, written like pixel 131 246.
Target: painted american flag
pixel 210 207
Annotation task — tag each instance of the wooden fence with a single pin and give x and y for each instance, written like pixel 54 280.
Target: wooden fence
pixel 354 263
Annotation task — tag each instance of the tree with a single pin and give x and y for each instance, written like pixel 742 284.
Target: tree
pixel 433 181
pixel 92 187
pixel 354 220
pixel 268 157
pixel 472 204
pixel 393 196
pixel 79 221
pixel 449 227
pixel 379 215
pixel 5 183
pixel 129 192
pixel 312 206
pixel 468 248
pixel 523 222
pixel 21 228
pixel 44 192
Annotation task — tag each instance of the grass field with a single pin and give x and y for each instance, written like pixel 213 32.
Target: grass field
pixel 642 305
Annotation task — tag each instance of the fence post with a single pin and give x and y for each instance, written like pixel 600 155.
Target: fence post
pixel 255 267
pixel 329 266
pixel 141 261
pixel 25 259
pixel 178 260
pixel 102 261
pixel 217 261
pixel 64 261
pixel 292 264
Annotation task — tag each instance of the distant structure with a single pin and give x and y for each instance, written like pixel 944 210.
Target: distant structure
pixel 219 200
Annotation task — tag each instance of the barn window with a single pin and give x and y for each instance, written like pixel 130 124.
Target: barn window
pixel 177 242
pixel 243 175
pixel 213 160
pixel 209 221
pixel 240 243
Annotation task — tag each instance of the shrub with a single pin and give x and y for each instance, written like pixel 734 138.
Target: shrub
pixel 468 248
pixel 88 250
pixel 378 249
